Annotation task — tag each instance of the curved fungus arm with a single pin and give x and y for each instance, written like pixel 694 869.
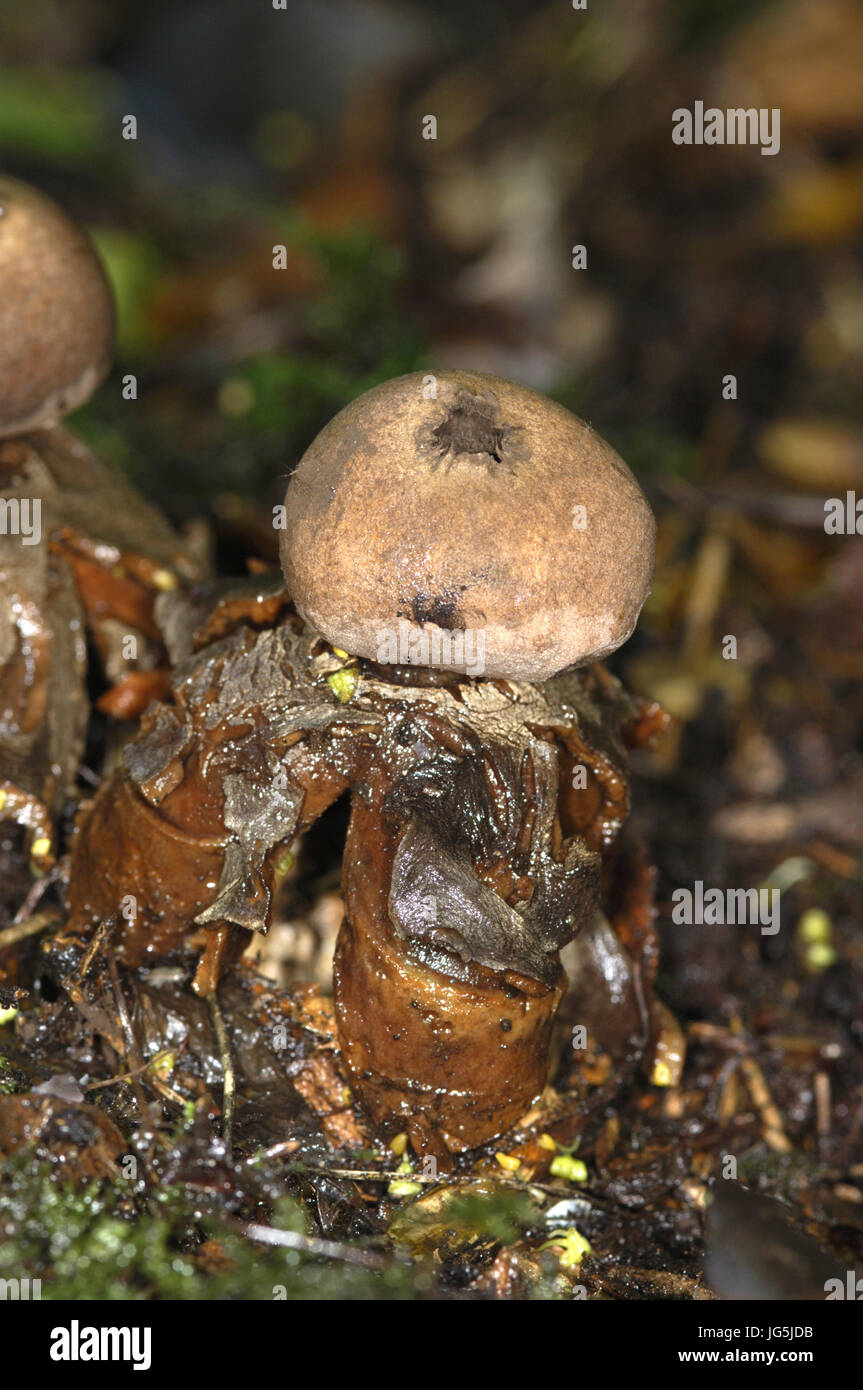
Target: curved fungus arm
pixel 468 864
pixel 189 842
pixel 105 555
pixel 186 833
pixel 453 1060
pixel 447 987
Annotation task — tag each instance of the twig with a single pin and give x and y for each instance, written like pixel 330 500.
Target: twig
pixel 133 1052
pixel 823 1104
pixel 707 585
pixel 228 1075
pixel 311 1245
pixel 771 1119
pixel 36 893
pixel 73 982
pixel 131 1044
pixel 28 926
pixel 128 1075
pixel 285 1146
pixel 716 1033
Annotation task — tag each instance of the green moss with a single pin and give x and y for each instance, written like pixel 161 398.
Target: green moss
pixel 12 1079
pixel 200 435
pixel 95 1243
pixel 60 119
pixel 462 1214
pixel 355 335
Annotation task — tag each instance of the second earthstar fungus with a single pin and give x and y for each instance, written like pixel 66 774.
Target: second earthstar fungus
pixel 82 555
pixel 485 805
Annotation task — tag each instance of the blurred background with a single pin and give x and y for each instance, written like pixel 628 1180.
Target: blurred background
pixel 304 127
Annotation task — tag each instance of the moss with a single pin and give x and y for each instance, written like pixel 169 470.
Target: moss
pixel 93 1243
pixel 63 122
pixel 482 1213
pixel 355 336
pixel 199 436
pixel 13 1081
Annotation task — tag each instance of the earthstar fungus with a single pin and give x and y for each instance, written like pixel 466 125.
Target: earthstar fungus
pixel 81 553
pixel 56 312
pixel 485 808
pixel 465 519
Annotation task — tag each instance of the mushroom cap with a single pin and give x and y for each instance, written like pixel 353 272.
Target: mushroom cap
pixel 56 312
pixel 437 506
